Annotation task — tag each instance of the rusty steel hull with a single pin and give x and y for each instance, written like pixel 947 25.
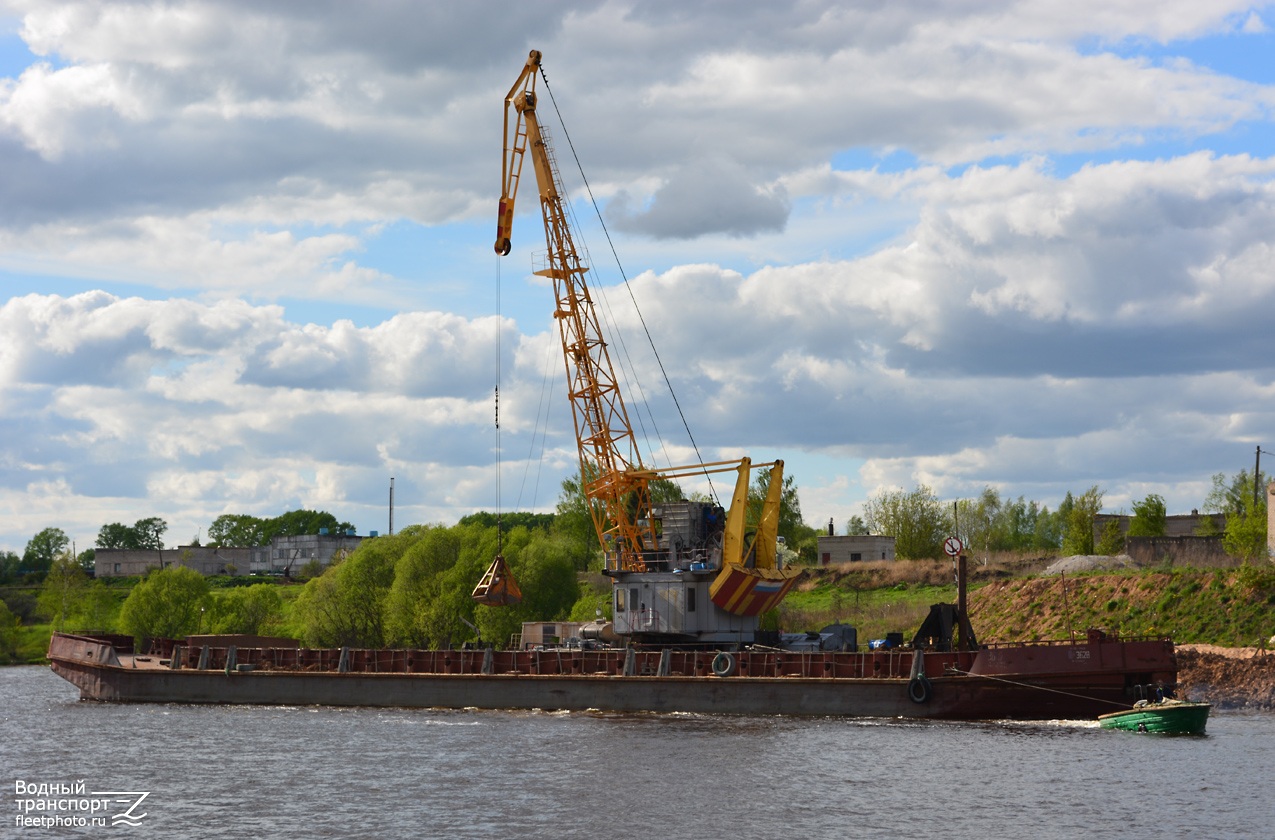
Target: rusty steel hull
pixel 1023 682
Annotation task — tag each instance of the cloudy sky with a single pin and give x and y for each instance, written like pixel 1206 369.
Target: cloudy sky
pixel 246 250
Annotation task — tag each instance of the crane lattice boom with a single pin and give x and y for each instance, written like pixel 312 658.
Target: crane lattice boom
pixel 699 538
pixel 611 470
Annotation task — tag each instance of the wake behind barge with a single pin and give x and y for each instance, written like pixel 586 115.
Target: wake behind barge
pixel 1029 681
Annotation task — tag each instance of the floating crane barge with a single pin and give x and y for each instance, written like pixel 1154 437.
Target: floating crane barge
pixel 689 582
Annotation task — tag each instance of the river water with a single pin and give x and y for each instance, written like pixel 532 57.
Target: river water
pixel 300 772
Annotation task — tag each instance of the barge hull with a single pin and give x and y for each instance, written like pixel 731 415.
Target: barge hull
pixel 1054 685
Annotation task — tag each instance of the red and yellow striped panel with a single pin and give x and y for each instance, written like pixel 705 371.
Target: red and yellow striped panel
pixel 748 592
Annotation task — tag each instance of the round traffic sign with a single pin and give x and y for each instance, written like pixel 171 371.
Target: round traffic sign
pixel 952 546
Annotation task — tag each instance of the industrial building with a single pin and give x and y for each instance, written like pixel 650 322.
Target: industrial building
pixel 284 556
pixel 854 549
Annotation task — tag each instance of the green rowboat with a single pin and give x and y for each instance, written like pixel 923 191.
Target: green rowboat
pixel 1173 717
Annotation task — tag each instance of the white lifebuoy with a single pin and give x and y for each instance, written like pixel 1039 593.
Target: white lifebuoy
pixel 724 665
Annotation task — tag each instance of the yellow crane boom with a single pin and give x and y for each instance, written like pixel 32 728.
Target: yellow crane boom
pixel 611 470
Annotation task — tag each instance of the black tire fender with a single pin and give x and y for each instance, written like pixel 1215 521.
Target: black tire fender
pixel 724 664
pixel 920 689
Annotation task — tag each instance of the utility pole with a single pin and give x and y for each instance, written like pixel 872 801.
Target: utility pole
pixel 391 506
pixel 1257 472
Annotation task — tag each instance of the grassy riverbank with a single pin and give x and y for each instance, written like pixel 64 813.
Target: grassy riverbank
pixel 1011 601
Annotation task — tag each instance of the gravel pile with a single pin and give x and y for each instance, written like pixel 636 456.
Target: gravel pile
pixel 1089 563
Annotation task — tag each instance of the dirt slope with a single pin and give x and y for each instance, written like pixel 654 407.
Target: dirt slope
pixel 1229 678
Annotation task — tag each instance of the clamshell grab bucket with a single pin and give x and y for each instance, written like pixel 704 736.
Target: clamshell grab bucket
pixel 498 587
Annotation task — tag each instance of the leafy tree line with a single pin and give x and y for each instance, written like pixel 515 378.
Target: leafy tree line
pixel 144 534
pixel 37 559
pixel 920 522
pixel 170 603
pixel 414 589
pixel 237 530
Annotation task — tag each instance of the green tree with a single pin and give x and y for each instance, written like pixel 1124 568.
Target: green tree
pixel 1051 528
pixel 856 527
pixel 425 554
pixel 1208 527
pixel 43 548
pixel 296 523
pixel 10 564
pixel 917 520
pixel 143 534
pixel 1112 540
pixel 10 635
pixel 510 520
pixel 116 535
pixel 1236 496
pixel 73 602
pixel 1245 533
pixel 791 526
pixel 989 523
pixel 150 533
pixel 665 490
pixel 254 610
pixel 1026 525
pixel 1078 538
pixel 1150 518
pixel 166 604
pixel 574 523
pixel 440 616
pixel 594 599
pixel 1245 536
pixel 96 608
pixel 237 530
pixel 979 522
pixel 1047 531
pixel 430 603
pixel 550 588
pixel 64 590
pixel 345 606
